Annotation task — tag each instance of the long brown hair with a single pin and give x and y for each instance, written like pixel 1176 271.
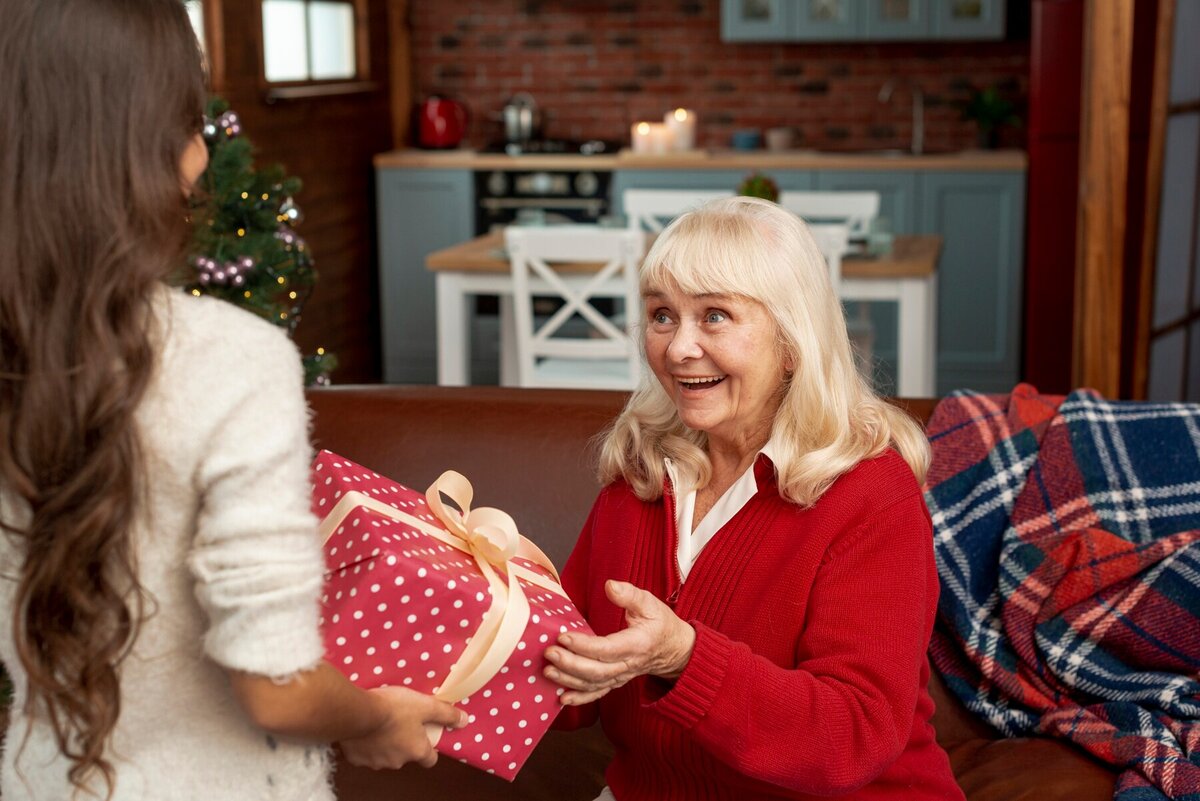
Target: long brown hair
pixel 99 100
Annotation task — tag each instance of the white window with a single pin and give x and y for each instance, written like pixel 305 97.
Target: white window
pixel 195 12
pixel 309 40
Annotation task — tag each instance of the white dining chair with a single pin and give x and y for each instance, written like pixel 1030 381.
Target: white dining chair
pixel 855 208
pixel 577 346
pixel 652 209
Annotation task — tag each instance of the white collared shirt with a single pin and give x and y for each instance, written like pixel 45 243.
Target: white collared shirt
pixel 683 486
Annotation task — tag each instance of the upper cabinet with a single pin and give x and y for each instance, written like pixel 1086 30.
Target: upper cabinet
pixel 860 20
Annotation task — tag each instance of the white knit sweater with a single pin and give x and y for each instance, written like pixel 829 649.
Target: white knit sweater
pixel 228 554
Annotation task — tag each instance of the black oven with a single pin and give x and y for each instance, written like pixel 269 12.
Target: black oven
pixel 543 196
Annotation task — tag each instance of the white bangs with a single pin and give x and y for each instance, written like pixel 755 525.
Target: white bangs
pixel 709 252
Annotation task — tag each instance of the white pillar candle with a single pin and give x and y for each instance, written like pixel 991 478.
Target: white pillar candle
pixel 682 124
pixel 650 137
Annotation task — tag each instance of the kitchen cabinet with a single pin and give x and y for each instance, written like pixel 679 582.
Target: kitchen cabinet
pixel 861 20
pixel 981 217
pixel 419 211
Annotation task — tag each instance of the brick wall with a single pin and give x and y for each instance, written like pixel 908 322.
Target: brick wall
pixel 596 66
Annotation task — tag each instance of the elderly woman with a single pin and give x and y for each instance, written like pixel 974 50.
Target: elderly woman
pixel 759 568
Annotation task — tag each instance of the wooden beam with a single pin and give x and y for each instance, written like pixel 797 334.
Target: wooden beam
pixel 400 49
pixel 1103 174
pixel 1164 39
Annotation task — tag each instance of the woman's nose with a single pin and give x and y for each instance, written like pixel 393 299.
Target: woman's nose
pixel 685 344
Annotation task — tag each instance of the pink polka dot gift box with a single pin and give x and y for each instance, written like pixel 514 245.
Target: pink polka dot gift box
pixel 443 600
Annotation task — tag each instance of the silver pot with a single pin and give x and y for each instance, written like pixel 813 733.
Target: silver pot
pixel 521 119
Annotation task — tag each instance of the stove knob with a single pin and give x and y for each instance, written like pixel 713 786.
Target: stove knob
pixel 497 184
pixel 586 183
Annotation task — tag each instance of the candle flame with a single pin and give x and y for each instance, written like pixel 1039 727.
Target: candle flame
pixel 681 114
pixel 643 128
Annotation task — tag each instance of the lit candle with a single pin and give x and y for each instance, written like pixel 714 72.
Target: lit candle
pixel 650 137
pixel 682 126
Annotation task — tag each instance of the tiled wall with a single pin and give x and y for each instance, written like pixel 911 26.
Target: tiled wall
pixel 596 66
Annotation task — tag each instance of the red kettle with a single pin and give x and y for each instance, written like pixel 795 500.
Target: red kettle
pixel 441 122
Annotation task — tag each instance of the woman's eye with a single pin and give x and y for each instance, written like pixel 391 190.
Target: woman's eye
pixel 714 317
pixel 660 318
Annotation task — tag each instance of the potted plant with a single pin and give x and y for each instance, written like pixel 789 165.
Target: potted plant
pixel 991 109
pixel 757 184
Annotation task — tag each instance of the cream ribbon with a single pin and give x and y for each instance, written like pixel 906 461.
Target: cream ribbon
pixel 490 536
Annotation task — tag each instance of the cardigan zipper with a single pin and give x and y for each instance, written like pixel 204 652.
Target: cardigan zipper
pixel 674 576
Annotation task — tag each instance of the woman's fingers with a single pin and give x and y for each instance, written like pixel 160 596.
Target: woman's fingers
pixel 581 698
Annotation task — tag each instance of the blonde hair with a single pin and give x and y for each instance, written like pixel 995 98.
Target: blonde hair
pixel 829 418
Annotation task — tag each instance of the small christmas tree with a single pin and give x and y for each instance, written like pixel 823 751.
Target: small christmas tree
pixel 244 249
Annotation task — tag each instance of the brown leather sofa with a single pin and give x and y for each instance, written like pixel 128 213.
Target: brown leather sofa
pixel 530 452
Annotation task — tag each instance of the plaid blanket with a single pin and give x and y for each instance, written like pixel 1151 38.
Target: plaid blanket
pixel 1068 543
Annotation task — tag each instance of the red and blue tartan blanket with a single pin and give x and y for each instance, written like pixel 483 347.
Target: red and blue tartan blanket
pixel 1068 542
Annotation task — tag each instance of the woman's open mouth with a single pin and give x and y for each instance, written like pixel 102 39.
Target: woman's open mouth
pixel 703 382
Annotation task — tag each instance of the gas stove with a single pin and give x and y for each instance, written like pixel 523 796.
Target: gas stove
pixel 554 147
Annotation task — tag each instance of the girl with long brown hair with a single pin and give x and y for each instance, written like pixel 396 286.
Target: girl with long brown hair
pixel 159 570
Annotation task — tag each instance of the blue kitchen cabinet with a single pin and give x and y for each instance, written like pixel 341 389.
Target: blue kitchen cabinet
pixel 896 20
pixel 967 19
pixel 981 217
pixel 861 20
pixel 419 211
pixel 757 20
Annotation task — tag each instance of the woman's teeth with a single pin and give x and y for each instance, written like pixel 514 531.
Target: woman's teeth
pixel 701 383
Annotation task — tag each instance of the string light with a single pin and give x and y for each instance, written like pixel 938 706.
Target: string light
pixel 246 294
pixel 196 292
pixel 241 232
pixel 245 195
pixel 320 351
pixel 281 280
pixel 283 315
pixel 265 196
pixel 292 295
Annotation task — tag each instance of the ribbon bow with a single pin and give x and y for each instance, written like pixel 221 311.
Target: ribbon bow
pixel 490 536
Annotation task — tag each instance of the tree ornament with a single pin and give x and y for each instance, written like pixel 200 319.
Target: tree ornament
pixel 230 123
pixel 289 212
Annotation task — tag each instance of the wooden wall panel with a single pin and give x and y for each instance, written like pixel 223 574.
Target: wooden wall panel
pixel 328 142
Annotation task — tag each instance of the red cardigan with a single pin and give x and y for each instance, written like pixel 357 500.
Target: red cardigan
pixel 809 671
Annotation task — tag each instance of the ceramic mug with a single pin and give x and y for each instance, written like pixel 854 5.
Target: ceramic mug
pixel 746 139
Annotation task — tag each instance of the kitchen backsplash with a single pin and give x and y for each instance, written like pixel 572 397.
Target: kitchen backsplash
pixel 596 67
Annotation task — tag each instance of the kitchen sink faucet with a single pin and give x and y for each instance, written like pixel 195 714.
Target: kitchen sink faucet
pixel 918 112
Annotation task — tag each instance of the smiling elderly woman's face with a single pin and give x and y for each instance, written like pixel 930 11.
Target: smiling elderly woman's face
pixel 717 358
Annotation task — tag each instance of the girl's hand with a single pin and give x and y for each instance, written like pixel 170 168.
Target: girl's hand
pixel 654 642
pixel 400 736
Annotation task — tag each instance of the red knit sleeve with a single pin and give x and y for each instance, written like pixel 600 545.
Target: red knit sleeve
pixel 575 582
pixel 845 712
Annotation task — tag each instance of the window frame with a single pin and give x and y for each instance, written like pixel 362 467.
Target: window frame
pixel 300 89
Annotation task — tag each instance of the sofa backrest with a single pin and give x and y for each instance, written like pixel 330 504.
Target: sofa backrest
pixel 530 452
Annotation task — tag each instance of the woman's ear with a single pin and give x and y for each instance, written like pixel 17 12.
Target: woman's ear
pixel 192 163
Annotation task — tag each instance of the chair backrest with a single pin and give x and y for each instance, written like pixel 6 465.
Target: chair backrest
pixel 833 239
pixel 651 209
pixel 577 264
pixel 855 208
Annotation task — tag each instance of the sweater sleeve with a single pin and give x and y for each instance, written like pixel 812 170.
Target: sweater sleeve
pixel 845 712
pixel 575 582
pixel 255 557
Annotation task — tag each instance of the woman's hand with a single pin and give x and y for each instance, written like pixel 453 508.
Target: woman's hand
pixel 400 736
pixel 654 642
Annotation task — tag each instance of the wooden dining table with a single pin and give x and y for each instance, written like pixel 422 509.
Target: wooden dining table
pixel 906 275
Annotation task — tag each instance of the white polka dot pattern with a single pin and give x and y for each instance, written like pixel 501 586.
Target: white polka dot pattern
pixel 399 608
